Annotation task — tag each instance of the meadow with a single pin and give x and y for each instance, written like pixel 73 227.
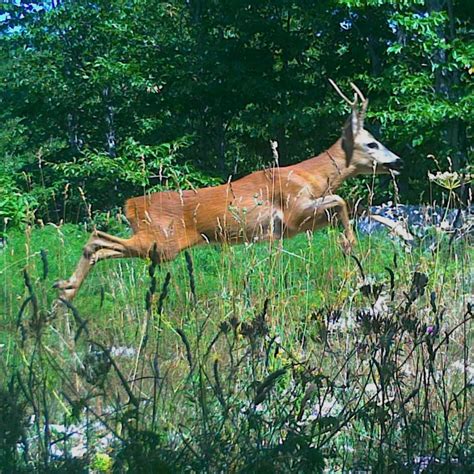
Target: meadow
pixel 276 357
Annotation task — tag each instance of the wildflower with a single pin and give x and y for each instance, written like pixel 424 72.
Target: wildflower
pixel 450 180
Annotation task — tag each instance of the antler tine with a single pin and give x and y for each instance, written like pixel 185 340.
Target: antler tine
pixel 365 102
pixel 363 110
pixel 350 102
pixel 359 92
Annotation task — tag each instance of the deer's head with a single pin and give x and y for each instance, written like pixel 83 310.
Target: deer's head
pixel 362 150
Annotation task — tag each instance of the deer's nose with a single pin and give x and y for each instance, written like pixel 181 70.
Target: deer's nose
pixel 395 165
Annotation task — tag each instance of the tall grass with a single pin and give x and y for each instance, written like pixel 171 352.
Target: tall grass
pixel 283 357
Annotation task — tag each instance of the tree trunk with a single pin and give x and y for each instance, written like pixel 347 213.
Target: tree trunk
pixel 445 85
pixel 109 120
pixel 221 146
pixel 74 141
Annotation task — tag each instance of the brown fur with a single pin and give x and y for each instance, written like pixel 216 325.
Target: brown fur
pixel 238 211
pixel 268 204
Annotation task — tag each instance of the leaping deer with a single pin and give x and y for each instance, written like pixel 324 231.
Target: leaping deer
pixel 268 204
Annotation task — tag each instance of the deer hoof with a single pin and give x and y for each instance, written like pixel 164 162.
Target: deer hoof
pixel 67 290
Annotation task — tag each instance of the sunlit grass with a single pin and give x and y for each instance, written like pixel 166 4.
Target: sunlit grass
pixel 302 283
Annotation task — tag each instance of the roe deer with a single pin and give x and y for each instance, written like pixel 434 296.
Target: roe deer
pixel 268 204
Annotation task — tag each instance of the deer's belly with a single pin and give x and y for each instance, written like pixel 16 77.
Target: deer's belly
pixel 239 225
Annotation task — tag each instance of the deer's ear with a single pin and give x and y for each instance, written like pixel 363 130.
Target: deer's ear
pixel 348 133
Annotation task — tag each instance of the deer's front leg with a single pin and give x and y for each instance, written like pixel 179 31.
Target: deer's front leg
pixel 314 213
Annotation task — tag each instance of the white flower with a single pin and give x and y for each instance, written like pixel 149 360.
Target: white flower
pixel 449 179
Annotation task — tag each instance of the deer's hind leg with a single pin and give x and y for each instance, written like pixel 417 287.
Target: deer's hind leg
pixel 101 246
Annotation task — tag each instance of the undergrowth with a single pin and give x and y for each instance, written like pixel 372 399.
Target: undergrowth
pixel 282 357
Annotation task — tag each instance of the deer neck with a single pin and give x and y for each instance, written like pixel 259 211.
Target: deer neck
pixel 330 166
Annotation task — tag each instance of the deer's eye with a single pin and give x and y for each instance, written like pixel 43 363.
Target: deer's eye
pixel 373 145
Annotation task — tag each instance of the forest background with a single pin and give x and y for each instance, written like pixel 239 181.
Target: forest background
pixel 103 100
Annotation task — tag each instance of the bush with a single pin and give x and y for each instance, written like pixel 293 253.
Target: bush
pixel 16 207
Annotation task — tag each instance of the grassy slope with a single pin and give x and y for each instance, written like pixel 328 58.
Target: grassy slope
pixel 310 264
pixel 301 277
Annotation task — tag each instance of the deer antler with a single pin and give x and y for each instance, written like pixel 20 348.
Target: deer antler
pixel 359 93
pixel 358 116
pixel 352 103
pixel 365 103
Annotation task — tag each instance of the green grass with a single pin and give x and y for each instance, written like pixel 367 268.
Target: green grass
pixel 202 363
pixel 310 269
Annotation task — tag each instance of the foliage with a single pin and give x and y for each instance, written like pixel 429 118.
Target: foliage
pixel 15 207
pixel 93 92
